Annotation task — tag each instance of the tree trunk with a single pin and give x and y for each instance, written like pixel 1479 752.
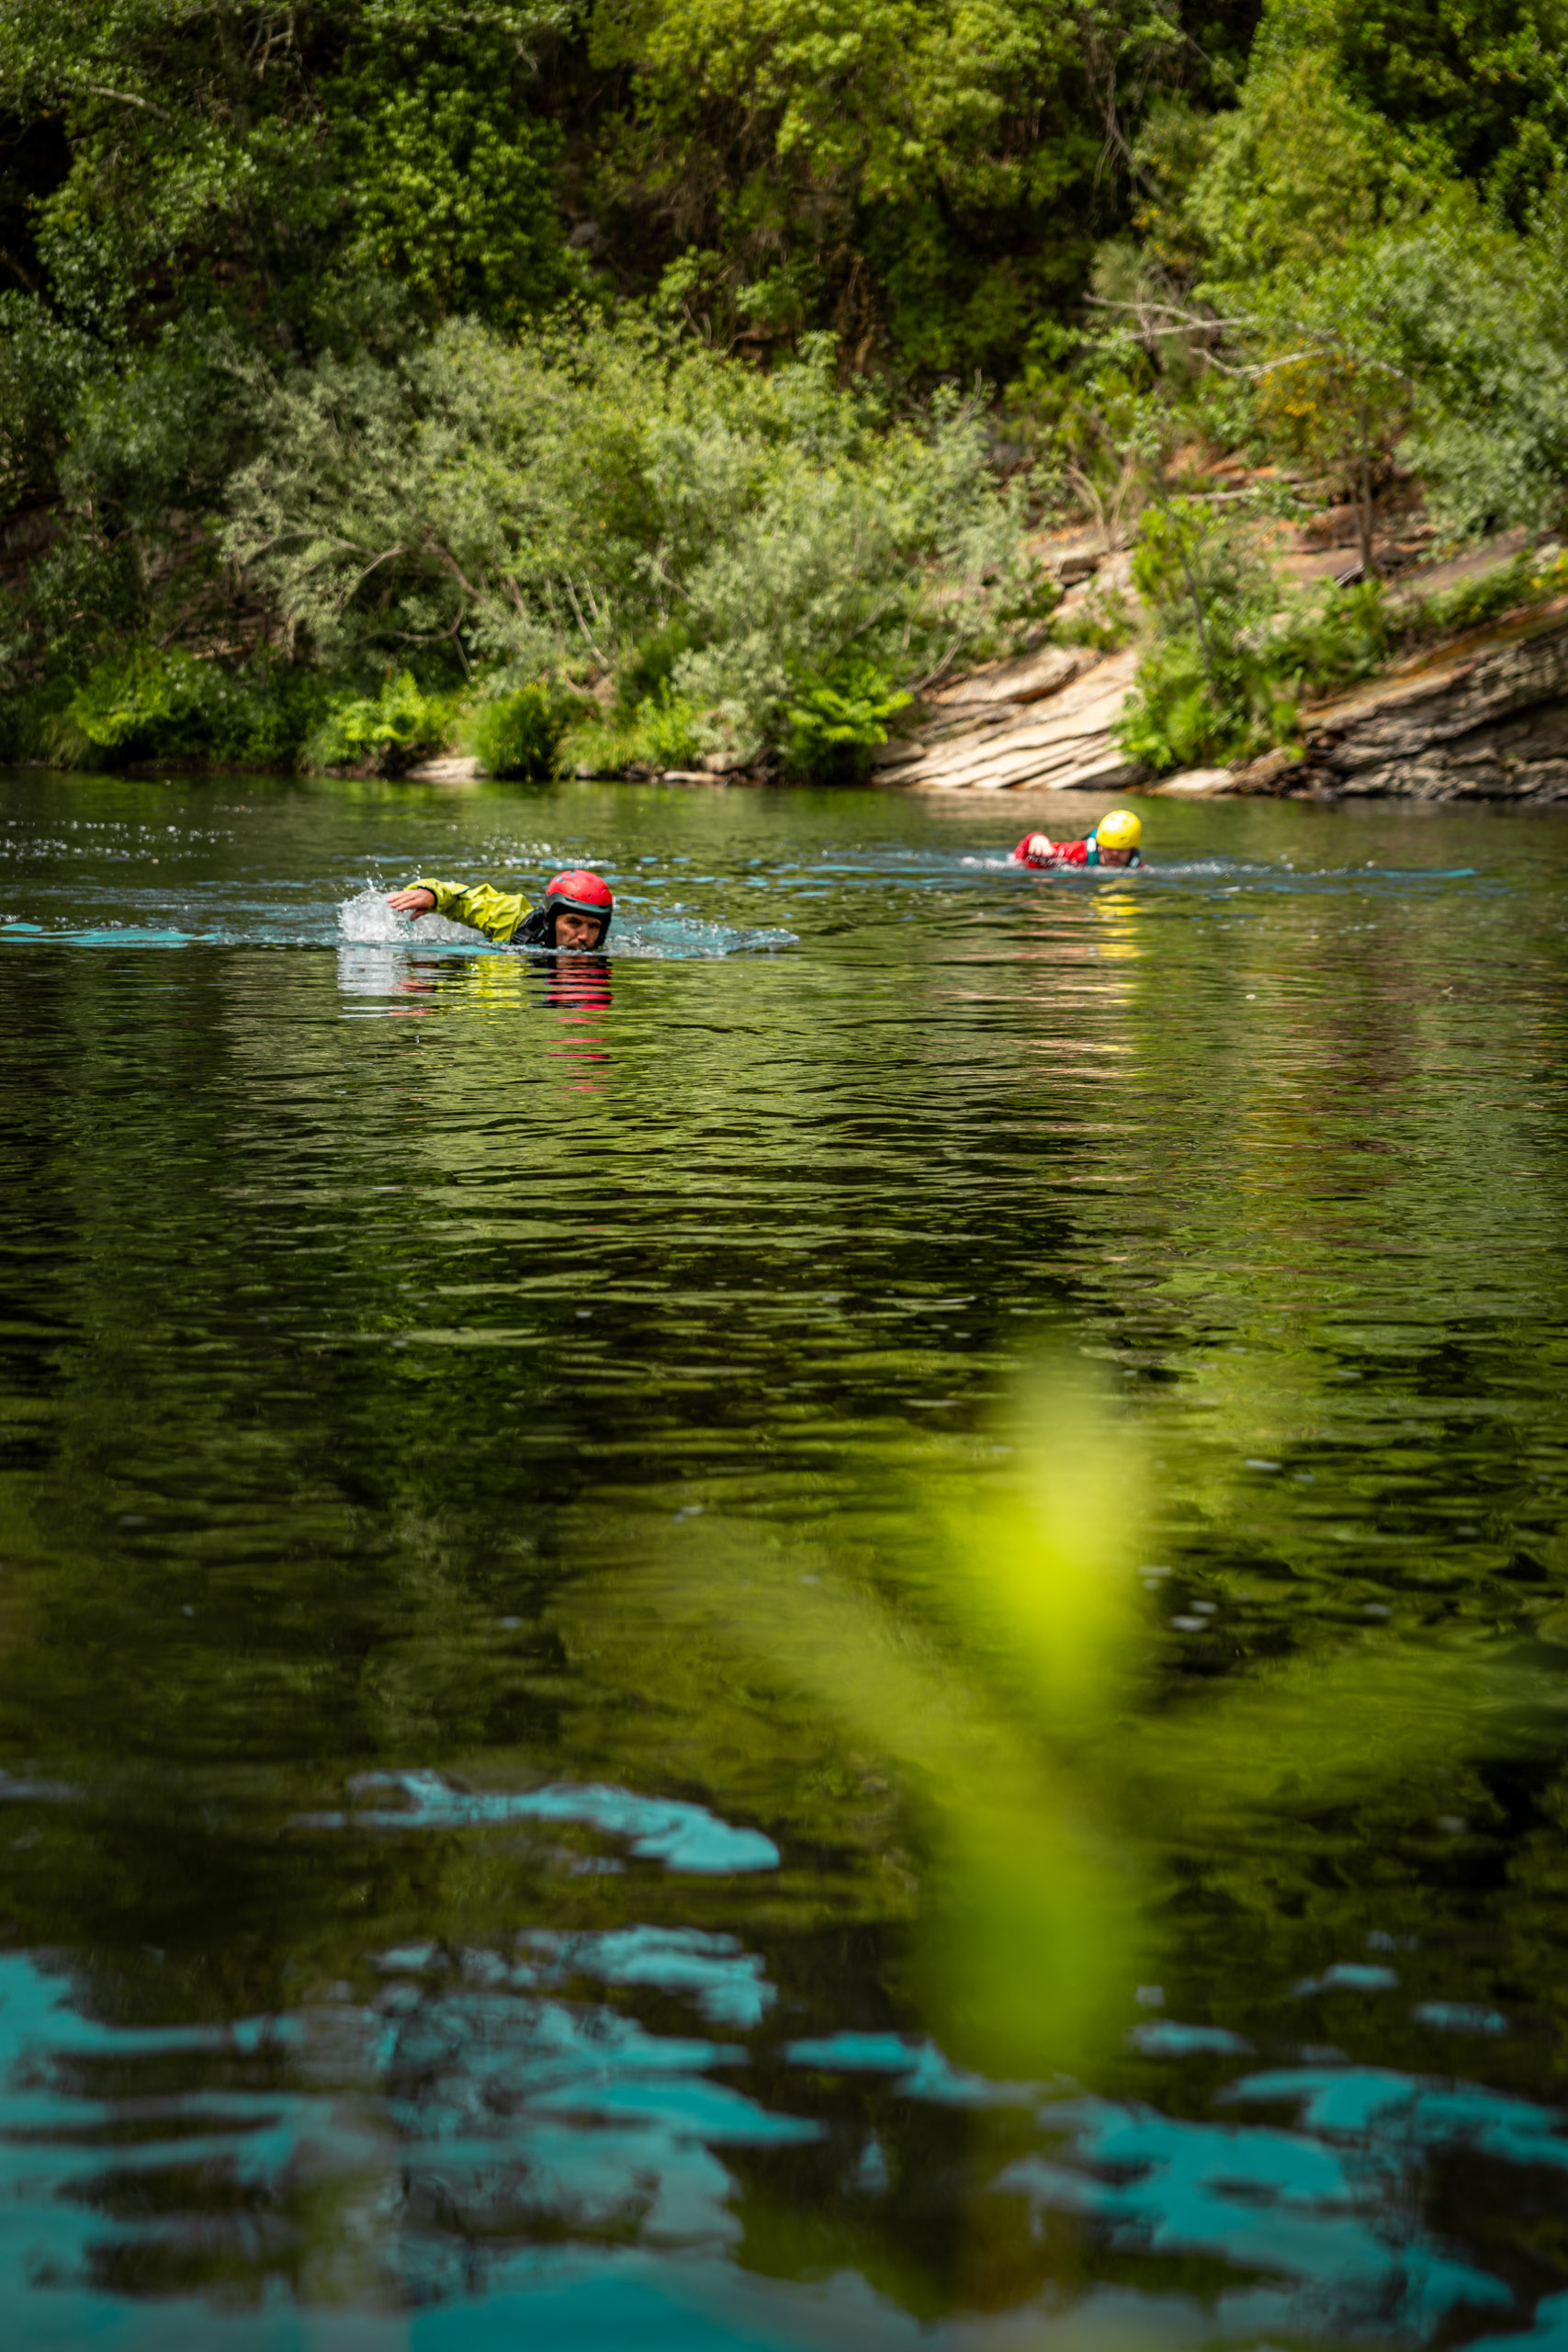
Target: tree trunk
pixel 1197 614
pixel 1361 498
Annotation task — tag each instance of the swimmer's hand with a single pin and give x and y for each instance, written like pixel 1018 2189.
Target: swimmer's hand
pixel 412 902
pixel 1037 848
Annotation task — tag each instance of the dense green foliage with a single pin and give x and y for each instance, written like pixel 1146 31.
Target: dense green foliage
pixel 166 705
pixel 1207 690
pixel 507 344
pixel 570 496
pixel 1233 654
pixel 519 734
pixel 838 722
pixel 382 733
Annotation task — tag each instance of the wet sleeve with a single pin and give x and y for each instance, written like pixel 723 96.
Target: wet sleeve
pixel 496 913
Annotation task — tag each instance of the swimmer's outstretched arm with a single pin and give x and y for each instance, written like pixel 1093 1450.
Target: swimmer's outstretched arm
pixel 497 914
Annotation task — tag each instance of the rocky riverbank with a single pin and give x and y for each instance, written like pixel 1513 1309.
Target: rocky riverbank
pixel 1483 716
pixel 1479 716
pixel 1046 720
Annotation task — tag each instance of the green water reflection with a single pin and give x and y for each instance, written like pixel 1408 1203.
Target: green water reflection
pixel 406 1357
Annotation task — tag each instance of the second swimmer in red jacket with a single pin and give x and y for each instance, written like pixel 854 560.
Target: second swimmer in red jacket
pixel 1114 842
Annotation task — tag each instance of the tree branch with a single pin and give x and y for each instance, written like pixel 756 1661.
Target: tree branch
pixel 17 270
pixel 123 99
pixel 583 625
pixel 931 676
pixel 448 561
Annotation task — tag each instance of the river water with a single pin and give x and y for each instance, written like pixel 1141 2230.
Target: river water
pixel 514 1827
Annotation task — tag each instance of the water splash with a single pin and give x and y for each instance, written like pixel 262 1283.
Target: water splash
pixel 366 921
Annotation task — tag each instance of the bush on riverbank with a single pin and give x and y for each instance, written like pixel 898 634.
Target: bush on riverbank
pixel 606 505
pixel 617 504
pixel 382 734
pixel 661 730
pixel 519 735
pixel 160 704
pixel 1233 653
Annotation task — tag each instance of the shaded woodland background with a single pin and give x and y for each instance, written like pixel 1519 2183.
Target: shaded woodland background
pixel 633 384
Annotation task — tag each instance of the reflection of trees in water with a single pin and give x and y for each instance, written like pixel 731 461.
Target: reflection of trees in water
pixel 445 2095
pixel 299 1350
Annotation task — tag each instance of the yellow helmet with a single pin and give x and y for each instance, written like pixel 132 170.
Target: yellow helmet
pixel 1120 829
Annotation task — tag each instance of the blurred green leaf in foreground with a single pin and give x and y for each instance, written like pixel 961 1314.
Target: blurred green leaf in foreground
pixel 1011 1681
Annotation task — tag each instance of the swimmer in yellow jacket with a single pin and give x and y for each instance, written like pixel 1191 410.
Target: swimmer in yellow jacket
pixel 573 916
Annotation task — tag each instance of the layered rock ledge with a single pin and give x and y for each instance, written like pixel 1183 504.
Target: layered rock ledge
pixel 1481 716
pixel 1043 720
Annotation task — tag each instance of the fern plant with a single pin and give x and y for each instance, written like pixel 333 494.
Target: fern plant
pixel 385 734
pixel 836 722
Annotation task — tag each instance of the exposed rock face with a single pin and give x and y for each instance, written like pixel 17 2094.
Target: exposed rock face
pixel 1195 784
pixel 454 770
pixel 1044 721
pixel 1028 679
pixel 1483 718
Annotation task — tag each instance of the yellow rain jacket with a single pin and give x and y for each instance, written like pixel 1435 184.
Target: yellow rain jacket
pixel 500 914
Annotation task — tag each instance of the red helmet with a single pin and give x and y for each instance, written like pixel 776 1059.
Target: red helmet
pixel 580 893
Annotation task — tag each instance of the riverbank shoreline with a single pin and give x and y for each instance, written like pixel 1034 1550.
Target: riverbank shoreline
pixel 1481 714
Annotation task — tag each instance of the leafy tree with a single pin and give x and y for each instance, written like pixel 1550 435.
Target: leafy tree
pixel 1378 309
pixel 1482 84
pixel 253 153
pixel 1298 173
pixel 233 187
pixel 1331 385
pixel 920 173
pixel 452 173
pixel 1481 332
pixel 1440 342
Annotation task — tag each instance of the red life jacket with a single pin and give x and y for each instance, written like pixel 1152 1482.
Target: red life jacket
pixel 1066 854
pixel 1060 854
